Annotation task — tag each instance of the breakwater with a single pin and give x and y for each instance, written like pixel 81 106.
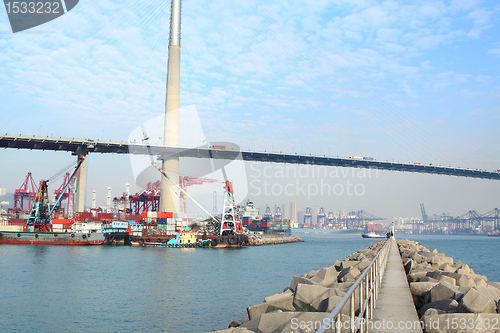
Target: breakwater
pixel 448 295
pixel 270 239
pixel 309 298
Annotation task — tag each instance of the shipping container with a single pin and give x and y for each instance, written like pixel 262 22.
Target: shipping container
pixel 84 215
pixel 12 228
pixel 17 222
pixel 61 221
pixel 104 216
pixel 134 217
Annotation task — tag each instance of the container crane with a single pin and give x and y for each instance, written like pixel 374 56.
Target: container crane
pixel 28 191
pixel 184 182
pixel 68 194
pixel 40 219
pixel 148 198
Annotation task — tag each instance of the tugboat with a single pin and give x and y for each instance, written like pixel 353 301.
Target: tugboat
pixel 187 239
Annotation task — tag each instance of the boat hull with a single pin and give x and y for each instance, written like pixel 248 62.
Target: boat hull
pixel 229 241
pixel 369 236
pixel 51 238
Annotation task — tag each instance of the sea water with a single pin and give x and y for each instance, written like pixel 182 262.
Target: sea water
pixel 115 289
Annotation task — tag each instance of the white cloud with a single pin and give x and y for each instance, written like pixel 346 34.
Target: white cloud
pixel 481 21
pixel 252 58
pixel 465 4
pixel 494 51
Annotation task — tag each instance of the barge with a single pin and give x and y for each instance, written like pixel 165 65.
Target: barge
pixel 51 238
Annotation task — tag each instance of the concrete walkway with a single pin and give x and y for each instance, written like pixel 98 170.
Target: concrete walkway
pixel 395 311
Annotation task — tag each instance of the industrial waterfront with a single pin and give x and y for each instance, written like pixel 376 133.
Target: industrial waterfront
pixel 115 289
pixel 268 87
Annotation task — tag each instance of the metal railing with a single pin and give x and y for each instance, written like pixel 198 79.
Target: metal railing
pixel 366 287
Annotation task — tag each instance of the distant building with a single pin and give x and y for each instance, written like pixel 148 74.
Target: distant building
pixel 284 211
pixel 293 211
pixel 300 216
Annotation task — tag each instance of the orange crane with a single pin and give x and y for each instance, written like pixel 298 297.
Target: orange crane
pixel 184 182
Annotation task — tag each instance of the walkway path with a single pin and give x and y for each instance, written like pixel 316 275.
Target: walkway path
pixel 395 311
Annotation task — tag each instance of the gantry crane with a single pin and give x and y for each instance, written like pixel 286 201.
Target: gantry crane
pixel 28 191
pixel 67 194
pixel 148 198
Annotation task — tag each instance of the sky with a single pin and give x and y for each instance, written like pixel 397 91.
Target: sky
pixel 408 81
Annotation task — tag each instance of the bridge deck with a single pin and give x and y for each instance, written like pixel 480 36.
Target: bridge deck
pixel 395 304
pixel 75 146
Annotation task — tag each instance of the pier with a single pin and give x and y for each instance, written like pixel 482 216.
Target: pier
pixel 391 286
pixel 395 303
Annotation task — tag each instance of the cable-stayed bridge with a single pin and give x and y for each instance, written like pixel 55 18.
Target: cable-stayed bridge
pixel 343 110
pixel 74 146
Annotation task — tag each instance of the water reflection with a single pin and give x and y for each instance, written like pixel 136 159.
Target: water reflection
pixel 39 254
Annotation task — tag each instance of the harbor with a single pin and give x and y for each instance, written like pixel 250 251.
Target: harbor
pixel 309 167
pixel 150 228
pixel 174 286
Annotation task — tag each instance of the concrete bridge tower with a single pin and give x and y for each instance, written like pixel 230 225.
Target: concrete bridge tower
pixel 169 197
pixel 80 181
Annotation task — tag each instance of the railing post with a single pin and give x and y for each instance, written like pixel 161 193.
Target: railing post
pixel 367 296
pixel 361 306
pixel 375 279
pixel 372 281
pixel 379 273
pixel 353 329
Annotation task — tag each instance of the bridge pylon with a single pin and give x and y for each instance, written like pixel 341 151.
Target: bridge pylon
pixel 169 195
pixel 80 181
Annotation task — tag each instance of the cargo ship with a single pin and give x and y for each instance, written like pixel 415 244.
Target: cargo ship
pixel 252 221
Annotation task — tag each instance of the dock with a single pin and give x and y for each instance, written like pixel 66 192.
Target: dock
pixel 395 305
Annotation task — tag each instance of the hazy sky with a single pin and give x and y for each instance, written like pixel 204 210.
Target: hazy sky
pixel 407 81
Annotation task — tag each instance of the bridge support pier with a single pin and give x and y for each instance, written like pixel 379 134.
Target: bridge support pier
pixel 80 184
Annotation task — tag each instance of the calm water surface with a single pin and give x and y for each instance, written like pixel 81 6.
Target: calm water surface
pixel 111 289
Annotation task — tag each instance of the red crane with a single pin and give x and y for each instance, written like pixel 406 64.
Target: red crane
pixel 28 191
pixel 66 195
pixel 148 198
